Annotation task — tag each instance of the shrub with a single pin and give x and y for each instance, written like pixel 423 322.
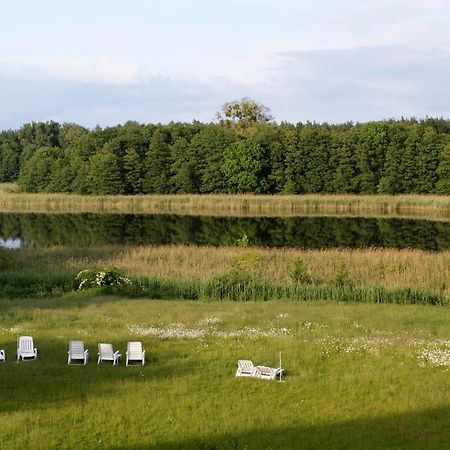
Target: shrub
pixel 107 277
pixel 243 269
pixel 342 276
pixel 299 272
pixel 243 241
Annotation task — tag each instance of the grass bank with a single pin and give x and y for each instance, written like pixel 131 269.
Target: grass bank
pixel 420 206
pixel 355 376
pixel 198 268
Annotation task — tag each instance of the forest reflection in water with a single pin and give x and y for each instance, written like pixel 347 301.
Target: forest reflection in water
pixel 300 232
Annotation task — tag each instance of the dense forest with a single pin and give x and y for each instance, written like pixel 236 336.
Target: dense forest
pixel 236 154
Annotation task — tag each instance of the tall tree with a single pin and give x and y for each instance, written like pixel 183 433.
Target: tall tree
pixel 183 177
pixel 443 171
pixel 157 162
pixel 242 166
pixel 133 171
pixel 104 175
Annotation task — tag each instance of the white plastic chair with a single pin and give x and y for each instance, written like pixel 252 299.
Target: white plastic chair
pixel 25 348
pixel 245 368
pixel 135 352
pixel 2 355
pixel 77 352
pixel 106 353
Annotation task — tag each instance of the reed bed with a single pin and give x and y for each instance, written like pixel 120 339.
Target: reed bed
pixel 389 268
pixel 220 205
pixel 176 271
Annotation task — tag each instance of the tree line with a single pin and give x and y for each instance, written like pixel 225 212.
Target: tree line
pixel 230 156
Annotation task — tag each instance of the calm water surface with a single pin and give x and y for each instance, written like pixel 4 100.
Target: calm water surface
pixel 301 232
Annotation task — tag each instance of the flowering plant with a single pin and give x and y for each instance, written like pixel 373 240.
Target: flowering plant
pixel 91 278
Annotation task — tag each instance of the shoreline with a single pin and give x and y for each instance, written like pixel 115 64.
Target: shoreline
pixel 429 207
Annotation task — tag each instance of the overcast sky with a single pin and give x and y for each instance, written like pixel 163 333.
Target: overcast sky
pixel 108 61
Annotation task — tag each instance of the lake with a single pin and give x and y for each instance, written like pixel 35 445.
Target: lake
pixel 43 230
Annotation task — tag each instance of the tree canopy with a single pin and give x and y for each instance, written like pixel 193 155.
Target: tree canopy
pixel 244 152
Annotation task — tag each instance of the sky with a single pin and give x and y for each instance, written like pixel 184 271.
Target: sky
pixel 105 62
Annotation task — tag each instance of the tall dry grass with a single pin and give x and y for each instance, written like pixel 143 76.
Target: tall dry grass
pixel 390 268
pixel 424 206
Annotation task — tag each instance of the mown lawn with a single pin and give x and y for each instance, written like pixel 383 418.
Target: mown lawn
pixel 359 376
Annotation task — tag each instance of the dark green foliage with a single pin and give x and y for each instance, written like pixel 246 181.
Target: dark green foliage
pixel 132 166
pixel 242 153
pixel 212 142
pixel 243 167
pixel 47 230
pixel 20 285
pixel 443 171
pixel 183 168
pixel 104 174
pixel 35 175
pixel 157 165
pixel 7 258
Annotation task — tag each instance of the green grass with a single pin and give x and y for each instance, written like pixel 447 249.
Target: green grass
pixel 354 376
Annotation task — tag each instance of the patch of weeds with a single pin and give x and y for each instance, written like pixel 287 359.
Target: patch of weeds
pixel 342 276
pixel 299 272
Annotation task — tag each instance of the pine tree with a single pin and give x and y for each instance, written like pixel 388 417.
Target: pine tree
pixel 443 171
pixel 133 169
pixel 35 174
pixel 157 164
pixel 104 176
pixel 427 162
pixel 182 177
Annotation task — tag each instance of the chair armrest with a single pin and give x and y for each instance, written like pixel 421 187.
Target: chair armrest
pixel 143 353
pixel 86 352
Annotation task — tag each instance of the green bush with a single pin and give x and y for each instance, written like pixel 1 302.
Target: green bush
pixel 342 276
pixel 299 272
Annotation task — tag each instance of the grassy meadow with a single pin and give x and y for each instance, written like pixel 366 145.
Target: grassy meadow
pixel 420 206
pixel 358 376
pixel 361 373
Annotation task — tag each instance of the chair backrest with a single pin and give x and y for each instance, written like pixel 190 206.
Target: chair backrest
pixel 105 350
pixel 25 344
pixel 246 365
pixel 76 347
pixel 134 349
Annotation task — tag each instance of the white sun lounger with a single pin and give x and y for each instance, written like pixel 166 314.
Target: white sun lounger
pixel 268 373
pixel 106 353
pixel 25 348
pixel 2 355
pixel 245 368
pixel 77 352
pixel 135 352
